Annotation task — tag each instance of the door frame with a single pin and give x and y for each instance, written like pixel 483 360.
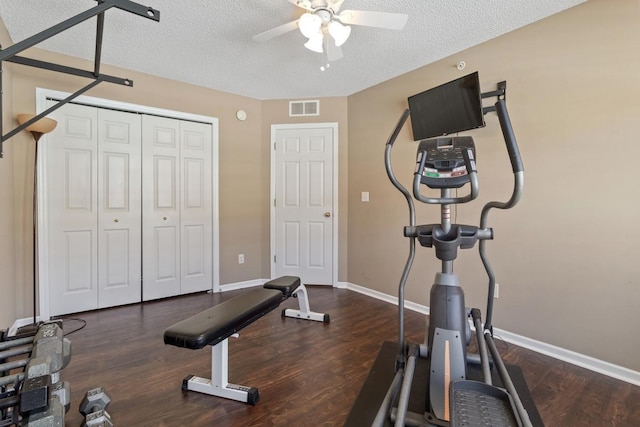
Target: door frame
pixel 334 250
pixel 42 95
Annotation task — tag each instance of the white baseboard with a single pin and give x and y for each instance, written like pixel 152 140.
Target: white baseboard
pixel 243 285
pixel 423 309
pixel 20 323
pixel 578 359
pixel 600 366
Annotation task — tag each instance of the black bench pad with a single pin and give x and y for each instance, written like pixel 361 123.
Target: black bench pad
pixel 219 322
pixel 285 284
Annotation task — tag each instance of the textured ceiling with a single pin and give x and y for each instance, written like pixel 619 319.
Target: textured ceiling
pixel 209 43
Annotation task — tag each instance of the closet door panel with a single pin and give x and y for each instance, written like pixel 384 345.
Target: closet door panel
pixel 119 208
pixel 71 185
pixel 196 207
pixel 161 268
pixel 166 256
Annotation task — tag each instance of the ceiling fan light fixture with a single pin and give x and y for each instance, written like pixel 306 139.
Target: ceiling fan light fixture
pixel 315 43
pixel 339 32
pixel 310 25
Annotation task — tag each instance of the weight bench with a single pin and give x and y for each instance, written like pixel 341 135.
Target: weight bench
pixel 215 325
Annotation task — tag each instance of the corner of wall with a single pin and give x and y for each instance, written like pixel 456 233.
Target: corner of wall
pixel 7 230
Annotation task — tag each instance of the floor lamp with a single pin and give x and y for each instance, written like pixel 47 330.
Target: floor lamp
pixel 37 129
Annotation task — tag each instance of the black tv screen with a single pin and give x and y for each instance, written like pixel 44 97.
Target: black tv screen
pixel 449 108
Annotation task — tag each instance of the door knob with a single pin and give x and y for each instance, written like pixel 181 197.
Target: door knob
pixel 116 220
pixel 164 218
pixel 327 214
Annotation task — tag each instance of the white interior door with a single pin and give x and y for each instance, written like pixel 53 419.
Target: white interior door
pixel 90 242
pixel 196 207
pixel 161 207
pixel 303 206
pixel 72 210
pixel 119 208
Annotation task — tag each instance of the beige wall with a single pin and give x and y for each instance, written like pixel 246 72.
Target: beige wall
pixel 566 256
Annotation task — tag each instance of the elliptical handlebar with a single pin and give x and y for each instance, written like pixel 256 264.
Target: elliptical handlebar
pixel 389 168
pixel 400 361
pixel 516 164
pixel 518 186
pixel 509 136
pixel 398 128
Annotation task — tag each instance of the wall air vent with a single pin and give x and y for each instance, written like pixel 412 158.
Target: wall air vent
pixel 304 108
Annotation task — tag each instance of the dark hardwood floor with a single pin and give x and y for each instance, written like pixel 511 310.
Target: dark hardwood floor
pixel 308 373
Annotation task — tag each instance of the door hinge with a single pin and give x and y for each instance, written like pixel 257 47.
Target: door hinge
pixel 274 146
pixel 274 259
pixel 274 203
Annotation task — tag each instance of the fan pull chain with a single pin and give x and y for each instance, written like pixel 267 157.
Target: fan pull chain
pixel 325 58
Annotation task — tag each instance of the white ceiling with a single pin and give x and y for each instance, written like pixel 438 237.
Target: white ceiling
pixel 209 43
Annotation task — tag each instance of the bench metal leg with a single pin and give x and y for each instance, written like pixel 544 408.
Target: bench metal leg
pixel 218 385
pixel 304 312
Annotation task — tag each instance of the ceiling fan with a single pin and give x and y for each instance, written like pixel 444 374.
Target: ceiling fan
pixel 327 29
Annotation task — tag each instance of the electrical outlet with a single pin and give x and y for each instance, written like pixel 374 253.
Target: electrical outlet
pixel 241 259
pixel 496 293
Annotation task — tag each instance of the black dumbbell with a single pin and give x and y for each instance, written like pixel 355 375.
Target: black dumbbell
pixel 93 407
pixel 52 415
pixel 35 394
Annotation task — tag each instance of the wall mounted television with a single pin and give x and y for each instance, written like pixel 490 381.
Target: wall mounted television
pixel 452 107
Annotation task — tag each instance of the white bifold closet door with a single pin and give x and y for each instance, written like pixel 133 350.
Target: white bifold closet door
pixel 93 186
pixel 177 207
pixel 129 208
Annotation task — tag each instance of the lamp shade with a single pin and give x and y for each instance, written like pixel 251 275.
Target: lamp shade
pixel 315 43
pixel 339 32
pixel 310 25
pixel 44 125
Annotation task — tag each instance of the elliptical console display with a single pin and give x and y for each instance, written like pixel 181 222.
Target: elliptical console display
pixel 441 162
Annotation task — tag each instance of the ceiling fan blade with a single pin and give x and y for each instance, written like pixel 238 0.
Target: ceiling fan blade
pixel 333 52
pixel 335 5
pixel 277 31
pixel 391 21
pixel 305 4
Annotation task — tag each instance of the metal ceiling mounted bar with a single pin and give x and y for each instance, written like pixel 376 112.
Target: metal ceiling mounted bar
pixel 99 31
pixel 11 55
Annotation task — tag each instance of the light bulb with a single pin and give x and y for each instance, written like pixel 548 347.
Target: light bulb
pixel 310 25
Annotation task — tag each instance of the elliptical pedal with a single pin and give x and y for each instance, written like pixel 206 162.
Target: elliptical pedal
pixel 476 404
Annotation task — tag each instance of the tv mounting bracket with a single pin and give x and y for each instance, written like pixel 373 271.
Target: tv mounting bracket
pixel 500 93
pixel 10 54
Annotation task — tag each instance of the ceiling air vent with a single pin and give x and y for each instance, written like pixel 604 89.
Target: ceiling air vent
pixel 304 108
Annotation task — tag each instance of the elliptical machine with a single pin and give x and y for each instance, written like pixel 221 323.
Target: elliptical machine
pixel 447 164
